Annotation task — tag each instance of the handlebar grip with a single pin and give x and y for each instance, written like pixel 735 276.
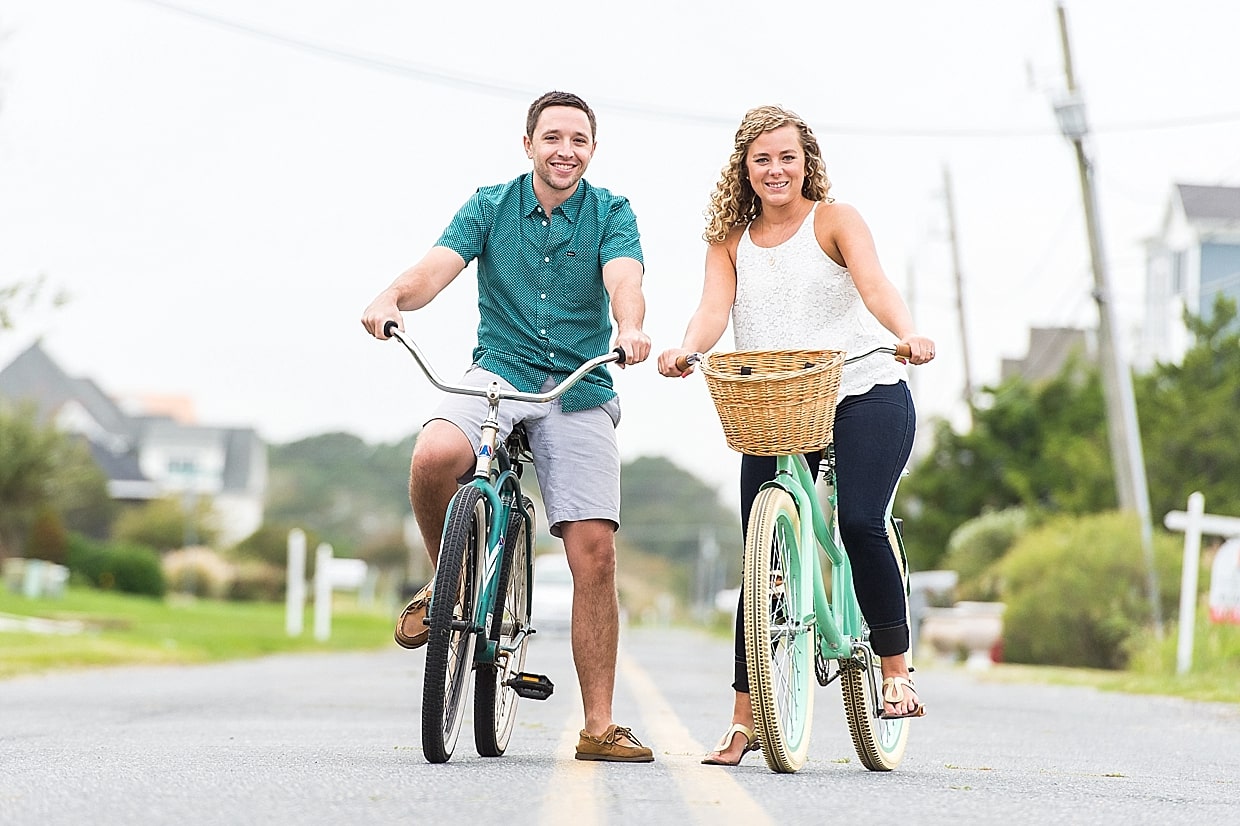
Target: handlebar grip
pixel 903 351
pixel 388 328
pixel 684 362
pixel 619 351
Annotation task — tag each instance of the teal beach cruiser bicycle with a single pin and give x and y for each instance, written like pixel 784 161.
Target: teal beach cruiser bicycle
pixel 800 625
pixel 481 603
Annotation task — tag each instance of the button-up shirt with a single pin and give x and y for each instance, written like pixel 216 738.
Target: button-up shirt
pixel 542 304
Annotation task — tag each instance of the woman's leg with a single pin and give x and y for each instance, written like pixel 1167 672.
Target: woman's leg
pixel 873 442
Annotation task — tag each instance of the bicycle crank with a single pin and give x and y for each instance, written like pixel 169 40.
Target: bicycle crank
pixel 531 686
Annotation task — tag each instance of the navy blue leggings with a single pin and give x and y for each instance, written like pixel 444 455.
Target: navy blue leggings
pixel 873 442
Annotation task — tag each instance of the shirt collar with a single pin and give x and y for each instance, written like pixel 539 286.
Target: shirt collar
pixel 570 209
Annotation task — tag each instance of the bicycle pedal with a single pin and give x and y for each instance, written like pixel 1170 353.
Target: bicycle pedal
pixel 531 686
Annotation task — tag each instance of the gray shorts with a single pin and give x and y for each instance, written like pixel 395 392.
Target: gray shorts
pixel 576 456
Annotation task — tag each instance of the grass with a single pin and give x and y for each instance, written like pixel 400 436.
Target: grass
pixel 121 629
pixel 1214 675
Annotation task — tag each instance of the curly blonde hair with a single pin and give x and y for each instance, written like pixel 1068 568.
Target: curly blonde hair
pixel 734 202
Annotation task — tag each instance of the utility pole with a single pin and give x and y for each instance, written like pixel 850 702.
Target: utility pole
pixel 964 327
pixel 1122 427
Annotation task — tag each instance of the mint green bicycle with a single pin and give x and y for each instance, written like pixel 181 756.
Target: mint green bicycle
pixel 795 629
pixel 479 614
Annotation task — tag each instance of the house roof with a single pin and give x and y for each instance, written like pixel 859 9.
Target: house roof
pixel 116 438
pixel 34 377
pixel 1210 203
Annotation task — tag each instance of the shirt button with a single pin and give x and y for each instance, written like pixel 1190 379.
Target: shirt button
pixel 542 332
pixel 544 295
pixel 544 223
pixel 546 260
pixel 551 355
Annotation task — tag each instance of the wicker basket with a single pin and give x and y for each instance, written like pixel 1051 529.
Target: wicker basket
pixel 775 402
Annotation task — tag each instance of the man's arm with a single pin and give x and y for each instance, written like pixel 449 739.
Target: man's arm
pixel 623 279
pixel 413 289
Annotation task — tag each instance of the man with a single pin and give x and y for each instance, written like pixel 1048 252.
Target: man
pixel 554 253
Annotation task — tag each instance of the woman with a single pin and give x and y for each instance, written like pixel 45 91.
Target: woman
pixel 795 270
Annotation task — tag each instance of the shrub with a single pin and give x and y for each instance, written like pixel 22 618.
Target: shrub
pixel 1076 591
pixel 132 569
pixel 198 571
pixel 257 581
pixel 975 547
pixel 269 544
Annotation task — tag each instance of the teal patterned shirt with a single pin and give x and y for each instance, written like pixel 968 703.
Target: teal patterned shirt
pixel 543 307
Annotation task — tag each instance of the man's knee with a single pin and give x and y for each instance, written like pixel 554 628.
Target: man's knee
pixel 442 451
pixel 591 550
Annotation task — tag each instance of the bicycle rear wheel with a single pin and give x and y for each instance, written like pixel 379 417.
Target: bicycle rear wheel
pixel 495 704
pixel 879 743
pixel 778 646
pixel 450 648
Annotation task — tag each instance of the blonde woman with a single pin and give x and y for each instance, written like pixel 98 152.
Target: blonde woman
pixel 793 269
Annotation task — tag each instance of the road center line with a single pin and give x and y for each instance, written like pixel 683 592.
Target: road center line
pixel 709 791
pixel 571 796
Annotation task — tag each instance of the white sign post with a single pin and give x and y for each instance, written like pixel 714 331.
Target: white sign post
pixel 323 592
pixel 1194 522
pixel 295 583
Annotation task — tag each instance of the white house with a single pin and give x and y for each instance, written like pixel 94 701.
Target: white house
pixel 148 456
pixel 1194 258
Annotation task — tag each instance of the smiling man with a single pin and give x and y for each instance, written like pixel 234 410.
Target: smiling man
pixel 556 256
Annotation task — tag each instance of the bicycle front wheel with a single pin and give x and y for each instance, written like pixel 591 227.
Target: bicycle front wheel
pixel 778 646
pixel 495 702
pixel 450 648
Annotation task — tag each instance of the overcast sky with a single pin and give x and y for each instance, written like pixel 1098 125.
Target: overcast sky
pixel 223 186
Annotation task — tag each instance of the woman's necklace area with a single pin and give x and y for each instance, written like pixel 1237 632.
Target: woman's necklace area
pixel 774 236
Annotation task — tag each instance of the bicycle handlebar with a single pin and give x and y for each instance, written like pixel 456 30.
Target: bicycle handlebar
pixel 901 351
pixel 391 330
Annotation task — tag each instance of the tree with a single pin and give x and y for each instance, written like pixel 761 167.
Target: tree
pixel 42 469
pixel 1040 446
pixel 1189 426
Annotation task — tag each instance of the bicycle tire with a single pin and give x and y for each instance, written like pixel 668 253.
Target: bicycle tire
pixel 778 653
pixel 879 743
pixel 495 704
pixel 450 647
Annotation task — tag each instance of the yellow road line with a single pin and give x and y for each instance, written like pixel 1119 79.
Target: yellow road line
pixel 571 797
pixel 710 792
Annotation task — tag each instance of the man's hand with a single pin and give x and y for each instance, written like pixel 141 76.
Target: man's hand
pixel 636 346
pixel 382 310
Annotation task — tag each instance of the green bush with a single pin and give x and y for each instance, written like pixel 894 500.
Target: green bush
pixel 975 547
pixel 257 581
pixel 1076 591
pixel 131 569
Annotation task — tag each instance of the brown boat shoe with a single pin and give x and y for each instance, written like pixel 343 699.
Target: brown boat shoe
pixel 411 629
pixel 613 747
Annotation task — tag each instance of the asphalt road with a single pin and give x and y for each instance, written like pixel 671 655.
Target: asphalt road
pixel 334 739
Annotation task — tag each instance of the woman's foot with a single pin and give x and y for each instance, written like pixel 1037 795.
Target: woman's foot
pixel 900 699
pixel 731 747
pixel 899 696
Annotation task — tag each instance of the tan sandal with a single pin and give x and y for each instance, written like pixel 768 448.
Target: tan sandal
pixel 412 630
pixel 725 742
pixel 893 693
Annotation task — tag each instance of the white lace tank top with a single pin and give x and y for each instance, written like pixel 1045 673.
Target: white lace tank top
pixel 794 296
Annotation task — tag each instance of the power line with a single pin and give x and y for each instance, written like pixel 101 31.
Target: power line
pixel 441 77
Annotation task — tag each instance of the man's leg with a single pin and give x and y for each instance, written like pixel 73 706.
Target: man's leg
pixel 591 550
pixel 441 455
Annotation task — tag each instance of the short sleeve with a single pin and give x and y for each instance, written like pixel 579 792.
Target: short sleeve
pixel 467 232
pixel 620 236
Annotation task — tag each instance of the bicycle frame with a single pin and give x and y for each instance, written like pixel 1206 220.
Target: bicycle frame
pixel 501 486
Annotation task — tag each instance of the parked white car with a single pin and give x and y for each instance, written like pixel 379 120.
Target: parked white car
pixel 553 594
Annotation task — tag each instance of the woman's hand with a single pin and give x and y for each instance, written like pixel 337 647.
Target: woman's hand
pixel 921 349
pixel 668 359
